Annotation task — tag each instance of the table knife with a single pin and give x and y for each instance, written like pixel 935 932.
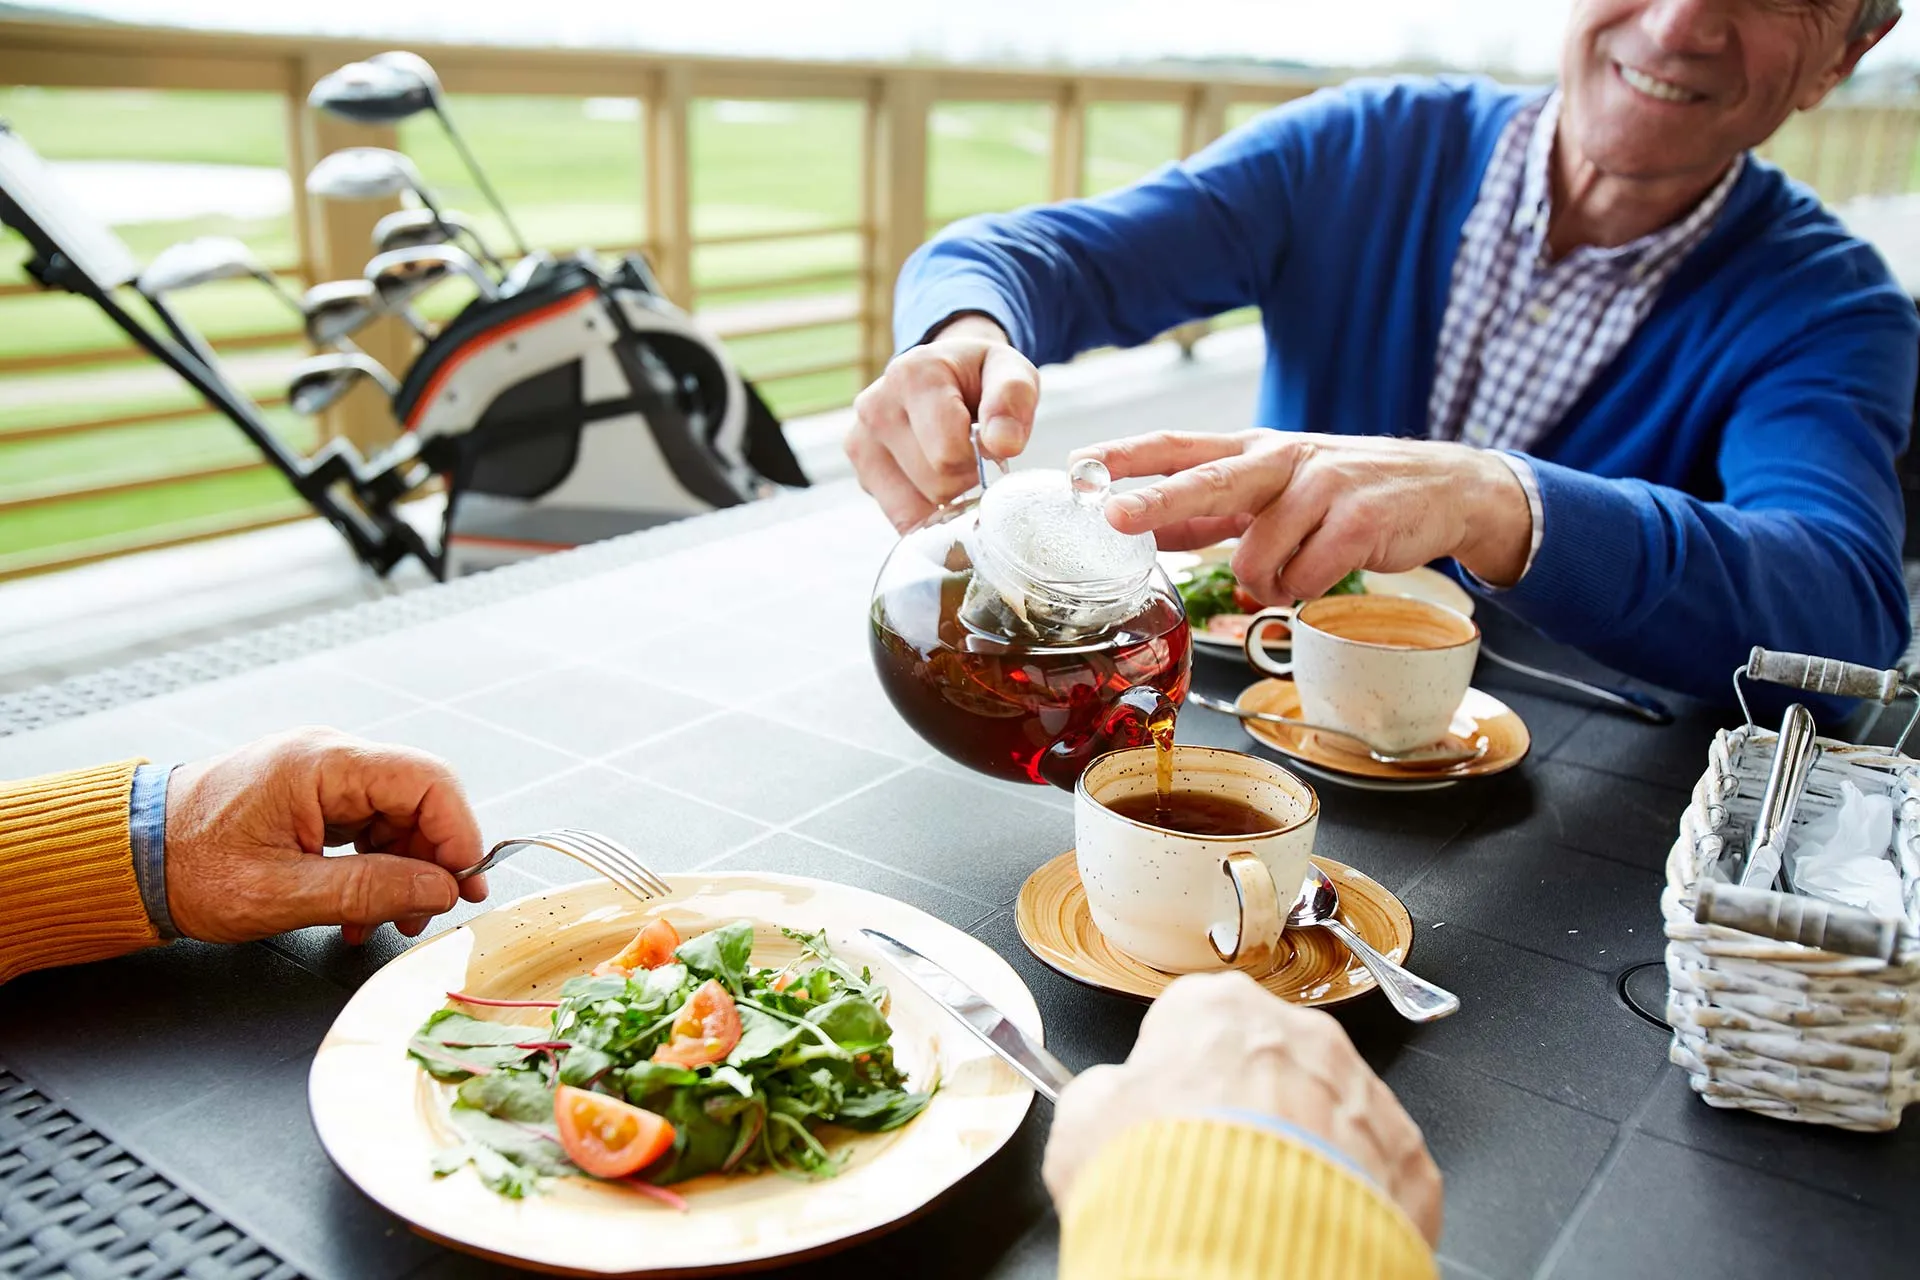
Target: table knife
pixel 1044 1071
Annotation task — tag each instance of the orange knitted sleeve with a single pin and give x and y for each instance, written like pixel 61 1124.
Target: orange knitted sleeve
pixel 67 887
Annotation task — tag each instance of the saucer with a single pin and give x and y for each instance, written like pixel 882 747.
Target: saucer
pixel 1314 968
pixel 1483 722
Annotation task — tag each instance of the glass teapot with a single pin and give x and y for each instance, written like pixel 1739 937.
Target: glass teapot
pixel 1022 635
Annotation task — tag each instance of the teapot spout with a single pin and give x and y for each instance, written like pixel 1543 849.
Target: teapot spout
pixel 1141 716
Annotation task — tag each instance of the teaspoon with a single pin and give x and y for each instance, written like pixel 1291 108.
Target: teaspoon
pixel 1419 756
pixel 1416 999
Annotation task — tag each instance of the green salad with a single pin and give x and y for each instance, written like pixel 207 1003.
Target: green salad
pixel 671 1060
pixel 1212 590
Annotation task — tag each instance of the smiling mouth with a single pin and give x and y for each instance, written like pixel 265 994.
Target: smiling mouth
pixel 1656 88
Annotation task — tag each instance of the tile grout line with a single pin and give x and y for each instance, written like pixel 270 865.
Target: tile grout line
pixel 1616 1151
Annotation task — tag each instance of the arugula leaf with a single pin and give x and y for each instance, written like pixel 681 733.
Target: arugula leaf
pixel 644 1078
pixel 855 1023
pixel 449 1044
pixel 588 989
pixel 497 1173
pixel 510 1095
pixel 879 1110
pixel 580 1066
pixel 701 1141
pixel 732 1079
pixel 761 1036
pixel 1207 593
pixel 721 953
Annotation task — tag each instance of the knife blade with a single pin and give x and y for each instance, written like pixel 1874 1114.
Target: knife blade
pixel 1044 1071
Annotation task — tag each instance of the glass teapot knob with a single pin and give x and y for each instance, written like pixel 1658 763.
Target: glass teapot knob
pixel 1090 480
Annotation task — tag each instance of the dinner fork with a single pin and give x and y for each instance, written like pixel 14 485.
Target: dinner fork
pixel 607 856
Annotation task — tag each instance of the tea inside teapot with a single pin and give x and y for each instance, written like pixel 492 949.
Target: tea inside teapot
pixel 1020 634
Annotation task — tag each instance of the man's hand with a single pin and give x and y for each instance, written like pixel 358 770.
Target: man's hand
pixel 1220 1042
pixel 1310 509
pixel 245 833
pixel 912 437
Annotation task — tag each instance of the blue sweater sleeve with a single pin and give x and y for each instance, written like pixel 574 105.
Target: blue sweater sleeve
pixel 1190 241
pixel 1802 551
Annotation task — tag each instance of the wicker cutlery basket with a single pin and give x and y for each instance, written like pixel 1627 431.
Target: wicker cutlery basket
pixel 1802 1032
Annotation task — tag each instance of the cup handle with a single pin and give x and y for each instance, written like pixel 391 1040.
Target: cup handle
pixel 1256 651
pixel 1252 940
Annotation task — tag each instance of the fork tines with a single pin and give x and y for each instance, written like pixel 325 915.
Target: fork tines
pixel 612 859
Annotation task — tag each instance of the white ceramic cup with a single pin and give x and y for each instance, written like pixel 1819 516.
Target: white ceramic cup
pixel 1391 669
pixel 1185 903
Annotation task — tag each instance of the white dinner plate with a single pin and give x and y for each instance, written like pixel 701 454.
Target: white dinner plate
pixel 382 1119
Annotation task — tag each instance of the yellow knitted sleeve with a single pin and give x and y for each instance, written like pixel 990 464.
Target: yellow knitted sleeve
pixel 1191 1199
pixel 67 888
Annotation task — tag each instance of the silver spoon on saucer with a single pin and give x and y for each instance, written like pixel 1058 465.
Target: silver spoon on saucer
pixel 1439 754
pixel 1416 999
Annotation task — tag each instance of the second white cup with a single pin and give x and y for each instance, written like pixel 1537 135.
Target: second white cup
pixel 1390 669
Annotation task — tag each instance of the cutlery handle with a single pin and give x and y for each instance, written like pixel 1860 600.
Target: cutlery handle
pixel 1823 675
pixel 1416 999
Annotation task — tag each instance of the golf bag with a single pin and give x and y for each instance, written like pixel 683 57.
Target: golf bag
pixel 577 404
pixel 581 406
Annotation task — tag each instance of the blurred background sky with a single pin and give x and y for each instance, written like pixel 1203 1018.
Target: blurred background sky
pixel 1519 35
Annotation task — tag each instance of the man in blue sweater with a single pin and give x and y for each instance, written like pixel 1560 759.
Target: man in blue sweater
pixel 1641 387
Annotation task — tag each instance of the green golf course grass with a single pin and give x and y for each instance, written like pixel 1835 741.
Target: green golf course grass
pixel 571 174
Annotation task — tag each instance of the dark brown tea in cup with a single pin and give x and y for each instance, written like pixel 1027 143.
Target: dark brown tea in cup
pixel 1196 813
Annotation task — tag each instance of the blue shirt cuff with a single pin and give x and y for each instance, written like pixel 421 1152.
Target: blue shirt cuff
pixel 1292 1133
pixel 149 816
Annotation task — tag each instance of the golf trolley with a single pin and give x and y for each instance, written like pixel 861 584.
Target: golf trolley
pixel 568 402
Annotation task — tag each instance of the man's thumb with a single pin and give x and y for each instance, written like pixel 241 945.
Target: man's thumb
pixel 373 888
pixel 1009 394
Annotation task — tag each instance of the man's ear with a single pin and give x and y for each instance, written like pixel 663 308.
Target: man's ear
pixel 1842 68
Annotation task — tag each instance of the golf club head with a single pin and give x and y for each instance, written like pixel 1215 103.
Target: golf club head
pixel 524 271
pixel 411 228
pixel 319 383
pixel 415 65
pixel 197 262
pixel 363 173
pixel 375 92
pixel 338 309
pixel 403 274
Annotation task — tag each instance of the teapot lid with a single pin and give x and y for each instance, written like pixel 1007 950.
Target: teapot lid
pixel 1050 527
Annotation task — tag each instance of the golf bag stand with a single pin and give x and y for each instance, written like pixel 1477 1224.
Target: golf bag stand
pixel 582 406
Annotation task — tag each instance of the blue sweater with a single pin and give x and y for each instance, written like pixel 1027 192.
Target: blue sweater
pixel 1727 481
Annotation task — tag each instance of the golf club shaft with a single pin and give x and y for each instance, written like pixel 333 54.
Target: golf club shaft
pixel 480 177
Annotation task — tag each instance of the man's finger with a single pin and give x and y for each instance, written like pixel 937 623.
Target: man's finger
pixel 1227 487
pixel 1009 396
pixel 363 889
pixel 1329 554
pixel 1191 535
pixel 880 475
pixel 409 789
pixel 1162 453
pixel 942 425
pixel 1270 543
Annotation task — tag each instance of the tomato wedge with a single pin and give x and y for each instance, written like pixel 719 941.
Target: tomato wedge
pixel 605 1136
pixel 707 1028
pixel 652 947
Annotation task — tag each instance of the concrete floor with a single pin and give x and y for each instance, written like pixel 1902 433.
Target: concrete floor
pixel 100 616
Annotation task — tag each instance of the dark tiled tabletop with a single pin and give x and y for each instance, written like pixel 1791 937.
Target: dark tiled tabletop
pixel 662 702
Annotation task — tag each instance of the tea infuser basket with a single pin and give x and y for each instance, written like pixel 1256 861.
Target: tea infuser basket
pixel 1781 1004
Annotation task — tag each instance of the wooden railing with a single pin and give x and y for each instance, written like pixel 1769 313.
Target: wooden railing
pixel 1848 150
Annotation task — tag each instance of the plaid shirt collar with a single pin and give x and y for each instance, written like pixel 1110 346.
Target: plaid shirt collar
pixel 1533 213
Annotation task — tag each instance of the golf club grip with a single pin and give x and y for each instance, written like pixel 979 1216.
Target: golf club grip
pixel 1822 675
pixel 1787 917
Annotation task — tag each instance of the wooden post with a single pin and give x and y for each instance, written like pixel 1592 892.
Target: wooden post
pixel 339 241
pixel 1070 141
pixel 1203 119
pixel 669 182
pixel 896 194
